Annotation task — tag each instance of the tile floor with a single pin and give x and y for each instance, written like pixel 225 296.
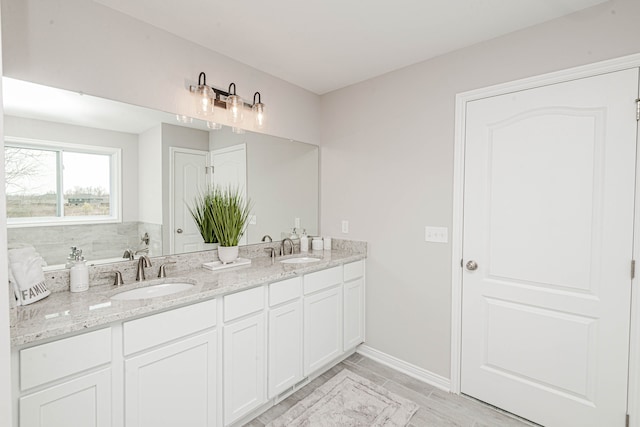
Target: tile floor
pixel 437 408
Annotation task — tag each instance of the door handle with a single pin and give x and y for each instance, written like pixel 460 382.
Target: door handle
pixel 472 265
pixel 179 231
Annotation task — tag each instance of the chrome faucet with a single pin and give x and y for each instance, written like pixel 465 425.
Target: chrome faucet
pixel 283 249
pixel 162 272
pixel 128 254
pixel 143 262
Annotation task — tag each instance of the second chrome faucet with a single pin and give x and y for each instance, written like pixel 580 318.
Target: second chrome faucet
pixel 143 262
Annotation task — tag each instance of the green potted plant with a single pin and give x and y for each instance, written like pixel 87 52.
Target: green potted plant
pixel 230 213
pixel 201 213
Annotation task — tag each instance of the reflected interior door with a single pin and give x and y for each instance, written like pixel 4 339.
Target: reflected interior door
pixel 189 179
pixel 548 230
pixel 230 170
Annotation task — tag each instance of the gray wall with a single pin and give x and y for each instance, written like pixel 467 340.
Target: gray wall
pixel 390 171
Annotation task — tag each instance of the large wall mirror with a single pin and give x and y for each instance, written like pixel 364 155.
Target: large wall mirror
pixel 107 177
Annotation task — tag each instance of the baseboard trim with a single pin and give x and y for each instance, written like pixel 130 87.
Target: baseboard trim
pixel 405 367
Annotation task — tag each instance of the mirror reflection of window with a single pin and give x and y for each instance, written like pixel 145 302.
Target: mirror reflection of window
pixel 45 184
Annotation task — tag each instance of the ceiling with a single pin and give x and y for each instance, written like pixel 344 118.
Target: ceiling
pixel 324 45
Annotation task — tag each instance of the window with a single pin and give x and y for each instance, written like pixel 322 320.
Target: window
pixel 53 183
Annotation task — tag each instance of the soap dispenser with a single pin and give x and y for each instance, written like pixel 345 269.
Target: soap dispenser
pixel 79 274
pixel 72 257
pixel 304 241
pixel 294 234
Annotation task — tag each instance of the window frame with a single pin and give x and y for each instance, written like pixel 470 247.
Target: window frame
pixel 115 190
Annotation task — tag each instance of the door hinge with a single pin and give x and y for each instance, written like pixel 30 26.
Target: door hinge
pixel 626 422
pixel 461 261
pixel 633 268
pixel 638 109
pixel 208 169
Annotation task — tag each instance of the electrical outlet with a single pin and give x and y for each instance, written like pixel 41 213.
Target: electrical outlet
pixel 345 226
pixel 297 223
pixel 436 234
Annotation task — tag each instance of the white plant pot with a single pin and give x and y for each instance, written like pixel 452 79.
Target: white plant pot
pixel 227 254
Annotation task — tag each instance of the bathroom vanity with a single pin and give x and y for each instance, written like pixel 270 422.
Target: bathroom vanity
pixel 218 354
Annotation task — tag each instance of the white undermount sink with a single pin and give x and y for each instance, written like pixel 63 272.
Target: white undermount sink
pixel 300 260
pixel 153 291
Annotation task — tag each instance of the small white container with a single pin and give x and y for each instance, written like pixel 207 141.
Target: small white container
pixel 304 242
pixel 327 243
pixel 316 244
pixel 79 276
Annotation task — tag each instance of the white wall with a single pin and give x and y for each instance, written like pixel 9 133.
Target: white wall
pixel 61 132
pixel 150 175
pixel 83 46
pixel 389 170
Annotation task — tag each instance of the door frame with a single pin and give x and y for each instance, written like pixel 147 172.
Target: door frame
pixel 172 153
pixel 626 62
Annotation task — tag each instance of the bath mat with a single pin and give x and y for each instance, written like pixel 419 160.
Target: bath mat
pixel 348 399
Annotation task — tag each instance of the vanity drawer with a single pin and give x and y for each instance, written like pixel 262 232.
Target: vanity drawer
pixel 58 359
pixel 163 327
pixel 319 280
pixel 243 303
pixel 284 291
pixel 353 270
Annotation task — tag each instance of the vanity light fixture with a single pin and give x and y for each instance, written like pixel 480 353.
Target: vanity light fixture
pixel 237 130
pixel 259 111
pixel 207 97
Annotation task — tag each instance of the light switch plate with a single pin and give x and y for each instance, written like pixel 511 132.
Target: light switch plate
pixel 345 226
pixel 436 234
pixel 296 222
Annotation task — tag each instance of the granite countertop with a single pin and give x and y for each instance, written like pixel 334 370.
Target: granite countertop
pixel 65 312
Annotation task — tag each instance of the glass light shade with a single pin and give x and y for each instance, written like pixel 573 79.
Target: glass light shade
pixel 259 115
pixel 235 108
pixel 182 118
pixel 237 130
pixel 204 101
pixel 214 125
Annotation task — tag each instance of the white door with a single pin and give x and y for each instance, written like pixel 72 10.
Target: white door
pixel 174 385
pixel 353 313
pixel 188 179
pixel 230 170
pixel 244 367
pixel 322 328
pixel 548 223
pixel 82 402
pixel 285 347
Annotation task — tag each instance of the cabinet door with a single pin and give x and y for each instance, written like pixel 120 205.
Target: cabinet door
pixel 82 402
pixel 322 328
pixel 285 347
pixel 174 385
pixel 353 313
pixel 244 366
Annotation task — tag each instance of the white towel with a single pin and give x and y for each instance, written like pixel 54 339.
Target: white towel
pixel 26 275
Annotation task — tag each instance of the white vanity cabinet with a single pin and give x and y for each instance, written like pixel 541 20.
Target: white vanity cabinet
pixel 66 382
pixel 323 327
pixel 285 335
pixel 353 304
pixel 170 368
pixel 244 353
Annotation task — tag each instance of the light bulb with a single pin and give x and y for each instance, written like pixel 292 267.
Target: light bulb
pixel 204 101
pixel 259 113
pixel 235 109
